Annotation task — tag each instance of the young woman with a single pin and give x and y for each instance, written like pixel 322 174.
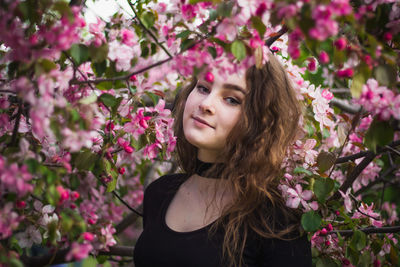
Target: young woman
pixel 225 209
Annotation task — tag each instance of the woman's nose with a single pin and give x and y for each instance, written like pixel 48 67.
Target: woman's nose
pixel 207 105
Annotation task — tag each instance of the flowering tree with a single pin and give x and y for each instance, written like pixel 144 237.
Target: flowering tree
pixel 85 118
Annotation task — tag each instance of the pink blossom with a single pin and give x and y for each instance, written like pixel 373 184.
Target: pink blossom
pixel 348 204
pixel 327 94
pixel 374 218
pixel 365 123
pixel 189 11
pixel 379 100
pixel 341 7
pixel 29 237
pixel 9 220
pixel 97 30
pixel 15 179
pixel 325 26
pixel 138 124
pixel 127 37
pixel 297 195
pixel 78 251
pixel 151 151
pixel 121 54
pixel 107 232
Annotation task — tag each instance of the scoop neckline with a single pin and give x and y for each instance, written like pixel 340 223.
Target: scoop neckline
pixel 167 202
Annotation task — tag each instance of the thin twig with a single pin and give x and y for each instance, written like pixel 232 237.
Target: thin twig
pixel 358 209
pixel 393 150
pixel 123 77
pixel 4 91
pixel 148 30
pixel 16 125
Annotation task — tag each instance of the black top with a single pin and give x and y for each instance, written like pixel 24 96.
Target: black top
pixel 158 245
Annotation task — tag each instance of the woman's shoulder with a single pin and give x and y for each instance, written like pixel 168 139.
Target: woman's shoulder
pixel 165 184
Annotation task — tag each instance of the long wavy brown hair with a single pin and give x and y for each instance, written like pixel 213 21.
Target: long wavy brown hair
pixel 253 155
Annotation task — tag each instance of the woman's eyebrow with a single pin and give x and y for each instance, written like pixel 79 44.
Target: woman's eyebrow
pixel 234 87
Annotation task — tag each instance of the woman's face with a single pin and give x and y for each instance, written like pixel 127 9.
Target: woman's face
pixel 212 109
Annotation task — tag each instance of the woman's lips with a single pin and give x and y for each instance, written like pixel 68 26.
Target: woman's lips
pixel 200 120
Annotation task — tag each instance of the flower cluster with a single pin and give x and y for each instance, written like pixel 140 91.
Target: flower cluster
pixel 380 101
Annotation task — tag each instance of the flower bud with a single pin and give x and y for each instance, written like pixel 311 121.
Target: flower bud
pixel 133 78
pixel 74 195
pixel 323 231
pixel 20 204
pixel 340 44
pixel 209 77
pixel 329 227
pixel 88 236
pixel 128 149
pixel 312 66
pixel 387 36
pixel 324 57
pixel 327 243
pixel 121 170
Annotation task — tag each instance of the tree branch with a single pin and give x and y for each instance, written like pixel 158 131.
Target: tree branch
pixel 344 105
pixel 127 221
pixel 354 174
pixel 368 230
pixel 272 39
pixel 4 91
pixel 59 257
pixel 364 153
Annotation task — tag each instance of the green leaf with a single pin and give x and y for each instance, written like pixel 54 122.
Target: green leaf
pixel 212 51
pixel 357 84
pixel 79 53
pixel 311 221
pixel 359 240
pixel 98 54
pixel 86 160
pixel 299 170
pixel 113 183
pixel 47 65
pixel 323 187
pixel 365 260
pixel 32 165
pixel 108 100
pixel 183 34
pixel 258 25
pixel 148 19
pixel 353 255
pixel 386 74
pixel 99 68
pixel 325 160
pixel 225 8
pixel 153 97
pixel 187 44
pixel 380 133
pixel 327 262
pixel 104 86
pixel 238 49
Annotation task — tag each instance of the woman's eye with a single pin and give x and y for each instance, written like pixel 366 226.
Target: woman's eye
pixel 202 89
pixel 232 101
